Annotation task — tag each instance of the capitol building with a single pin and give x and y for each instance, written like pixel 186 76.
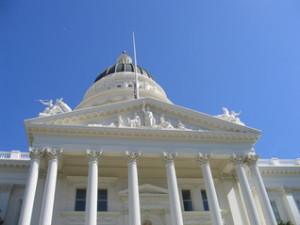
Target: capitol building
pixel 126 155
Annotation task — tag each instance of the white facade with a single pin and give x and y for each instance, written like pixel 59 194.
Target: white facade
pixel 115 160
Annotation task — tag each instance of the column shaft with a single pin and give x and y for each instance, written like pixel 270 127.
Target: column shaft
pixel 290 205
pixel 175 208
pixel 262 193
pixel 30 189
pixel 133 189
pixel 215 211
pixel 92 188
pixel 49 189
pixel 246 191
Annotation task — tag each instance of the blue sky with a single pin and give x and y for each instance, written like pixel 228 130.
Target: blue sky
pixel 206 54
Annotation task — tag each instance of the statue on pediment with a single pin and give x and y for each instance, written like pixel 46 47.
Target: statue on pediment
pixel 136 121
pixel 165 124
pixel 231 117
pixel 149 118
pixel 53 109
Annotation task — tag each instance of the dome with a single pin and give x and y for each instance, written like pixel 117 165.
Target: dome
pixel 124 64
pixel 116 84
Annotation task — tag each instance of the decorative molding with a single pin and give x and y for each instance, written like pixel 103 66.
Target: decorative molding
pixel 93 155
pixel 132 156
pixel 168 158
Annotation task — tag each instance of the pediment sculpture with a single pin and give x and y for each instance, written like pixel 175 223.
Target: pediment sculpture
pixel 53 109
pixel 143 119
pixel 230 116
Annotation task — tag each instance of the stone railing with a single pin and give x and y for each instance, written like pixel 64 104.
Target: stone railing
pixel 278 162
pixel 15 155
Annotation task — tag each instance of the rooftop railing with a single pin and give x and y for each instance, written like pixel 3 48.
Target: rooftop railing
pixel 14 154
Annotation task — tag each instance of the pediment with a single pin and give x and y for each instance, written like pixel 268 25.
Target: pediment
pixel 142 114
pixel 148 189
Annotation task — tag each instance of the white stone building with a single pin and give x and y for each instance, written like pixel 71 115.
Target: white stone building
pixel 117 160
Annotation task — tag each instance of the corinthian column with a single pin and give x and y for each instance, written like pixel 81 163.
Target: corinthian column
pixel 92 188
pixel 246 191
pixel 262 193
pixel 32 179
pixel 215 212
pixel 50 185
pixel 290 205
pixel 175 208
pixel 133 189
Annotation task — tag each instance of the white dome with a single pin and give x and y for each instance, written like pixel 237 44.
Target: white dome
pixel 116 84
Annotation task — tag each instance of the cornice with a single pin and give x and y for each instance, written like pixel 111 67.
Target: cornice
pixel 198 136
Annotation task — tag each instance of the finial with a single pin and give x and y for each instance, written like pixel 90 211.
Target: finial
pixel 124 58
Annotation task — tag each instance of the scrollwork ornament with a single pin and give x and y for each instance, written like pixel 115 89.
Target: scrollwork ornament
pixel 132 156
pixel 36 153
pixel 238 159
pixel 54 154
pixel 203 158
pixel 252 159
pixel 168 158
pixel 93 155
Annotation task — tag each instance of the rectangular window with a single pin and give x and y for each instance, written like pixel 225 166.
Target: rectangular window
pixel 102 200
pixel 187 200
pixel 276 212
pixel 81 198
pixel 204 200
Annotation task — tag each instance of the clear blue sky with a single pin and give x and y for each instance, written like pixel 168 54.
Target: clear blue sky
pixel 206 54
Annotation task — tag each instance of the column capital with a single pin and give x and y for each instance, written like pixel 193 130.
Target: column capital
pixel 54 154
pixel 238 159
pixel 168 158
pixel 132 156
pixel 252 159
pixel 93 155
pixel 203 158
pixel 286 190
pixel 36 153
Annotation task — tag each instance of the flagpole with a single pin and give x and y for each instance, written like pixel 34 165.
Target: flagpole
pixel 136 84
